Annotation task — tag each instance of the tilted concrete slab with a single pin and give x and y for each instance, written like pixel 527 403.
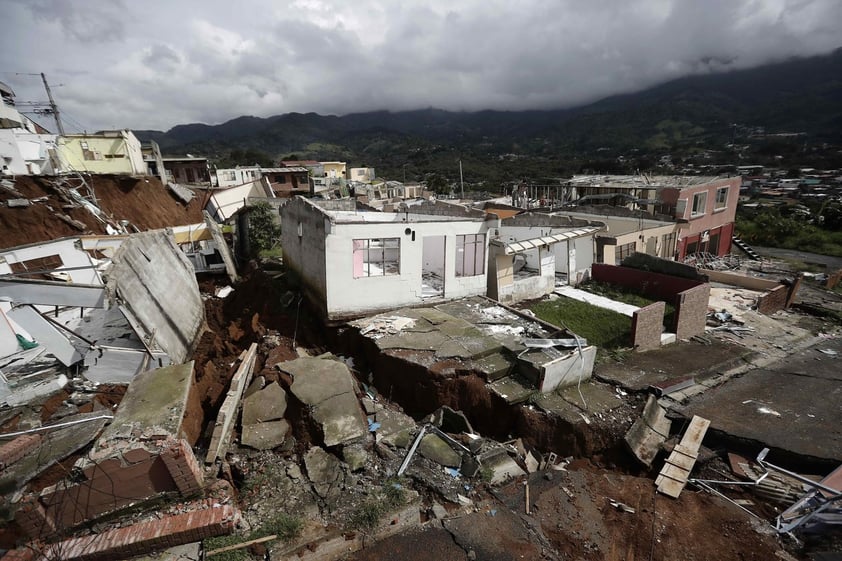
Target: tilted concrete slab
pixel 52 293
pixel 649 431
pixel 792 404
pixel 268 404
pixel 155 403
pixel 46 334
pixel 156 283
pixel 327 386
pixel 436 449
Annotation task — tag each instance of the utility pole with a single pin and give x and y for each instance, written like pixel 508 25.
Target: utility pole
pixel 53 105
pixel 461 182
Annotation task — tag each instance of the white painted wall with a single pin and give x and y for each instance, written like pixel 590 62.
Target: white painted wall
pixel 225 202
pixel 349 295
pixel 71 256
pixel 11 160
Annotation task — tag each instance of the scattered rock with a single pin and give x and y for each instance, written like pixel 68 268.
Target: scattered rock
pixel 355 456
pixel 324 471
pixel 267 404
pixel 265 436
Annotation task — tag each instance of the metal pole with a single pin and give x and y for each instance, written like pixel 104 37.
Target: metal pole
pixel 461 182
pixel 53 105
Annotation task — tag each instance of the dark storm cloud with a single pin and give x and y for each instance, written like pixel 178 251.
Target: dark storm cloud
pixel 179 62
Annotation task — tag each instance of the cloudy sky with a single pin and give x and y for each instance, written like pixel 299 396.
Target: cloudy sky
pixel 158 63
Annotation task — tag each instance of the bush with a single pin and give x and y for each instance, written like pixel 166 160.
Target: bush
pixel 263 232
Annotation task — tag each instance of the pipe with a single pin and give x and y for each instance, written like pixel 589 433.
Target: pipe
pixel 56 426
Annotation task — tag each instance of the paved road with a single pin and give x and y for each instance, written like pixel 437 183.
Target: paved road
pixel 827 260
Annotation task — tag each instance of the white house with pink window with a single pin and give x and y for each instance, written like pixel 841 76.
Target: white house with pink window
pixel 352 262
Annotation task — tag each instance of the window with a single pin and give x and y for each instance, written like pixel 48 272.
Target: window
pixel 470 255
pixel 41 264
pixel 699 204
pixel 280 179
pixel 721 198
pixel 377 257
pixel 624 251
pixel 229 176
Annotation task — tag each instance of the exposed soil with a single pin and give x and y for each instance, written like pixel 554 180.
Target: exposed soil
pixel 119 197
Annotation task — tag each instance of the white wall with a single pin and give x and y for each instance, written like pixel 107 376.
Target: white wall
pixel 349 295
pixel 10 157
pixel 71 257
pixel 225 202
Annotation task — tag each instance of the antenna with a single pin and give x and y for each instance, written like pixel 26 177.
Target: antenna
pixel 53 105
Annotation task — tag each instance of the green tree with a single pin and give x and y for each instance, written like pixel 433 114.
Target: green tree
pixel 263 232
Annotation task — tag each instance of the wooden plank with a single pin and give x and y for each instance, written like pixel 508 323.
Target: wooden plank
pixel 676 470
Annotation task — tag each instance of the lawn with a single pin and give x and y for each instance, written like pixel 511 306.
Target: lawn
pixel 601 327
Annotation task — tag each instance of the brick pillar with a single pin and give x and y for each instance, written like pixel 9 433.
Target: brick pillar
pixel 183 467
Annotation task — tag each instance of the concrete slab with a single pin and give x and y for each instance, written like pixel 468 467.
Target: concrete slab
pixel 324 472
pixel 648 432
pixel 264 436
pixel 503 467
pixel 155 401
pixel 792 404
pixel 514 389
pixel 494 366
pixel 328 388
pixel 416 341
pixel 437 450
pixel 395 428
pixel 267 404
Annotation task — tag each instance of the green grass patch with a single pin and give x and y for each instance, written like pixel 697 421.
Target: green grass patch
pixel 633 299
pixel 601 327
pixel 367 515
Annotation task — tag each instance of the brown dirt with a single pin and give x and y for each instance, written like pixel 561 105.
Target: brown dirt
pixel 694 527
pixel 120 197
pixel 252 311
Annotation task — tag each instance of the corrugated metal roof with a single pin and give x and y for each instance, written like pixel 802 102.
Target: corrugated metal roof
pixel 534 243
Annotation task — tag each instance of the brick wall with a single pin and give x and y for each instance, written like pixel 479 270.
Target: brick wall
pixel 654 285
pixel 129 476
pixel 773 301
pixel 145 537
pixel 691 311
pixel 13 451
pixel 833 279
pixel 647 326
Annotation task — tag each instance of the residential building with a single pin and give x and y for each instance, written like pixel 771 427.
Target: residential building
pixel 25 147
pixel 703 207
pixel 185 170
pixel 287 181
pixel 335 170
pixel 115 152
pixel 363 175
pixel 315 168
pixel 239 175
pixel 351 262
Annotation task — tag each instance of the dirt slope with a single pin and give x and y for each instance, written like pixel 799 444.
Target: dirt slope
pixel 144 202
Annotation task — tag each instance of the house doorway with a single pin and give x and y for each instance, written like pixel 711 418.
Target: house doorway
pixel 432 267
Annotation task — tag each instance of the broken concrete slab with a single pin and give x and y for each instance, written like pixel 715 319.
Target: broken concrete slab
pixel 327 386
pixel 673 476
pixel 324 472
pixel 501 465
pixel 267 404
pixel 436 449
pixel 514 389
pixel 494 366
pixel 157 284
pixel 266 435
pixel 396 428
pixel 450 420
pixel 648 433
pixel 225 420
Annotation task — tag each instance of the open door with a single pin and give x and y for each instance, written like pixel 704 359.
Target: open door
pixel 432 268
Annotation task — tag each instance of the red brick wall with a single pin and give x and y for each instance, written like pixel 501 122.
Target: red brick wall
pixel 653 285
pixel 145 537
pixel 647 326
pixel 136 474
pixel 14 450
pixel 773 301
pixel 691 311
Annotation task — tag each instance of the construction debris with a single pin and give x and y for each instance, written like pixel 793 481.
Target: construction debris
pixel 676 470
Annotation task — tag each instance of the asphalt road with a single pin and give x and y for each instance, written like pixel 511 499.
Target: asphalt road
pixel 827 260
